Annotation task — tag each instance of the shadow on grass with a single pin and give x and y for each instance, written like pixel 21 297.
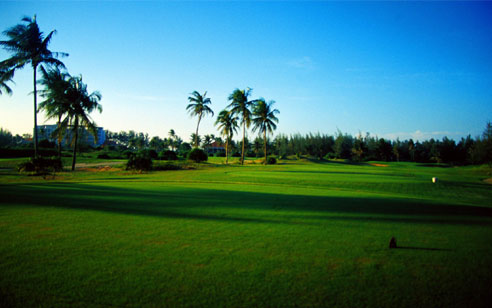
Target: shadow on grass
pixel 422 248
pixel 237 206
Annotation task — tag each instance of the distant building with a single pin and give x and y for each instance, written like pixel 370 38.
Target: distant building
pixel 46 132
pixel 215 147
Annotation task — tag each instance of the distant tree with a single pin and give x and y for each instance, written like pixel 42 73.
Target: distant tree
pixel 5 137
pixel 27 45
pixel 198 107
pixel 240 106
pixel 343 145
pixel 207 141
pixel 227 124
pixel 264 120
pixel 195 139
pixel 384 150
pixel 359 148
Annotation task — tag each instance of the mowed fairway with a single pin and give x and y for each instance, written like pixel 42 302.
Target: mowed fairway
pixel 293 234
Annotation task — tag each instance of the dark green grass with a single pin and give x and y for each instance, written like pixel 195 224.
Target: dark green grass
pixel 294 234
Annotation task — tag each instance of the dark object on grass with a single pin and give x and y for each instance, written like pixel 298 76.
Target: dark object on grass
pixel 271 160
pixel 393 242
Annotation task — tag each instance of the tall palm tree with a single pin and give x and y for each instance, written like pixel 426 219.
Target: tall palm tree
pixel 6 76
pixel 81 104
pixel 198 107
pixel 264 119
pixel 28 45
pixel 227 124
pixel 56 84
pixel 240 106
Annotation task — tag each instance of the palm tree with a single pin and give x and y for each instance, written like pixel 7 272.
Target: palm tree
pixel 240 106
pixel 264 119
pixel 55 105
pixel 28 46
pixel 195 138
pixel 198 107
pixel 81 104
pixel 6 76
pixel 227 123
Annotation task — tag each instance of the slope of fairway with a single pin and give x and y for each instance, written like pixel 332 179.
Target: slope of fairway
pixel 293 234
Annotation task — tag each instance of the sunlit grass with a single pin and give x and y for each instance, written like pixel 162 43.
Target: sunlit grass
pixel 294 234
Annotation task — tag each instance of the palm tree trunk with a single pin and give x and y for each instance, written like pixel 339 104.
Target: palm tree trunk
pixel 227 150
pixel 196 135
pixel 264 138
pixel 75 145
pixel 35 134
pixel 242 152
pixel 59 135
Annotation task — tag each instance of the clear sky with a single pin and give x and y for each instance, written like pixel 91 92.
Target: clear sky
pixel 394 69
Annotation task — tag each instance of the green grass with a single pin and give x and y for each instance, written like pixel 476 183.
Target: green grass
pixel 294 234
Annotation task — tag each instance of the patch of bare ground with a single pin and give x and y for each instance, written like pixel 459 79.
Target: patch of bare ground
pixel 488 181
pixel 379 165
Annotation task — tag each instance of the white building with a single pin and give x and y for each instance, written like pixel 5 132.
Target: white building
pixel 46 132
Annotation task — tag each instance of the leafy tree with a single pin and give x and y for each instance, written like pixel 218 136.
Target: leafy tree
pixel 28 45
pixel 240 105
pixel 227 124
pixel 264 119
pixel 198 107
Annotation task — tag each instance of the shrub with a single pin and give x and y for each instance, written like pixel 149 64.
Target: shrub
pixel 271 161
pixel 15 153
pixel 220 154
pixel 139 162
pixel 168 155
pixel 41 165
pixel 128 153
pixel 149 153
pixel 236 154
pixel 197 155
pixel 103 156
pixel 46 144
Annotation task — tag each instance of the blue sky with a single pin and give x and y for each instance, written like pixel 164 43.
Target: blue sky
pixel 394 69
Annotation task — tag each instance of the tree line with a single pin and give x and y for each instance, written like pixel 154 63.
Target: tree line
pixel 358 148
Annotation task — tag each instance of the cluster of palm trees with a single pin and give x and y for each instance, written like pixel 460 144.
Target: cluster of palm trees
pixel 242 111
pixel 66 97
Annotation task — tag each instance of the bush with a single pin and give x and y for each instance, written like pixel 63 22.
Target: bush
pixel 271 161
pixel 103 156
pixel 139 162
pixel 236 154
pixel 168 155
pixel 15 153
pixel 46 144
pixel 197 155
pixel 148 153
pixel 128 153
pixel 41 165
pixel 220 154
